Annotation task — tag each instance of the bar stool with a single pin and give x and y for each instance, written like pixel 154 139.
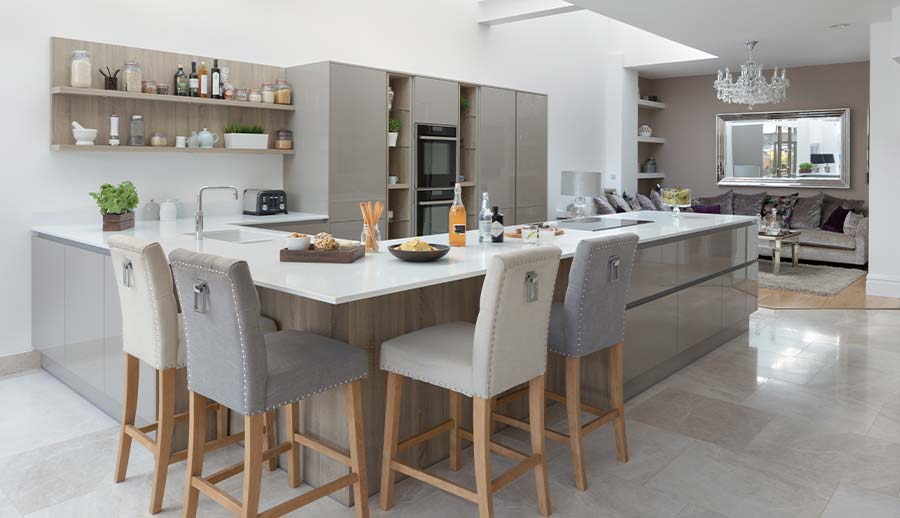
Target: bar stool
pixel 507 346
pixel 151 333
pixel 230 361
pixel 591 318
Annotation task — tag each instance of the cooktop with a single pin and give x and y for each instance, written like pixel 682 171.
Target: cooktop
pixel 597 223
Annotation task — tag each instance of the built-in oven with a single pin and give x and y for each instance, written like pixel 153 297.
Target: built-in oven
pixel 435 156
pixel 433 211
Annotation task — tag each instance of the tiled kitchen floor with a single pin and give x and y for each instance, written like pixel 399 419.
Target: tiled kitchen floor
pixel 799 417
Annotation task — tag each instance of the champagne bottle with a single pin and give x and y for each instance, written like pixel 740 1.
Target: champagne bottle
pixel 194 81
pixel 457 219
pixel 182 85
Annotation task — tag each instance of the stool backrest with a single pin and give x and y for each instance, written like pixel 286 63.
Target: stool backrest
pixel 510 345
pixel 147 299
pixel 594 307
pixel 226 350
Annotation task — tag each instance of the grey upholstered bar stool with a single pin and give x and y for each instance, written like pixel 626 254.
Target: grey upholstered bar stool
pixel 507 346
pixel 230 361
pixel 592 318
pixel 152 333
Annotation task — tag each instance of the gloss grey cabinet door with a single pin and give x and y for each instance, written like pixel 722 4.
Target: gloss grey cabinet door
pixel 358 140
pixel 531 150
pixel 47 298
pixel 435 101
pixel 496 147
pixel 84 320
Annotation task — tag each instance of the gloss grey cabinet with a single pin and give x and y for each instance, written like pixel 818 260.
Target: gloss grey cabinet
pixel 531 154
pixel 497 147
pixel 435 101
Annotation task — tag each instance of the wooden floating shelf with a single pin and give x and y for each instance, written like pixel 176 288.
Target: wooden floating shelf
pixel 169 149
pixel 651 176
pixel 398 186
pixel 466 184
pixel 651 105
pixel 118 94
pixel 652 140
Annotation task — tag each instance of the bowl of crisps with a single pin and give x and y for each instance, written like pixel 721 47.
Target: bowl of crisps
pixel 297 241
pixel 418 251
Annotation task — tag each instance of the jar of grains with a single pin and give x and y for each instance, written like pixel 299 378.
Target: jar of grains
pixel 254 96
pixel 80 69
pixel 132 76
pixel 282 92
pixel 268 93
pixel 241 94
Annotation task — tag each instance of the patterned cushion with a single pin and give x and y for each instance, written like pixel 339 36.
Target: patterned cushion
pixel 830 203
pixel 783 205
pixel 602 206
pixel 618 203
pixel 808 212
pixel 725 201
pixel 657 200
pixel 633 203
pixel 748 204
pixel 645 202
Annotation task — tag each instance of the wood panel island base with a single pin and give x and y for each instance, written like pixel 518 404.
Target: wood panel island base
pixel 693 287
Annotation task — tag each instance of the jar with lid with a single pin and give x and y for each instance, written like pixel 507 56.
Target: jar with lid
pixel 80 69
pixel 284 139
pixel 162 88
pixel 241 94
pixel 255 96
pixel 372 240
pixel 148 86
pixel 133 76
pixel 136 131
pixel 268 93
pixel 227 87
pixel 282 92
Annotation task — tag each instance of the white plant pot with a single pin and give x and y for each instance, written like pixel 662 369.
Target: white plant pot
pixel 246 141
pixel 392 139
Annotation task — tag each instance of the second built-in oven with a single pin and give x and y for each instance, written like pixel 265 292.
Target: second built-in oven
pixel 433 211
pixel 435 156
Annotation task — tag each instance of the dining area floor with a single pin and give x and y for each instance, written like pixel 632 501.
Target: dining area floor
pixel 798 417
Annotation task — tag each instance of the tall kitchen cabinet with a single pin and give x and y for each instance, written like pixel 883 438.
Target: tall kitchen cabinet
pixel 531 157
pixel 341 134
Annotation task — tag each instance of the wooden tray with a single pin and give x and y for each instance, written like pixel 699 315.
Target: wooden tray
pixel 517 233
pixel 346 255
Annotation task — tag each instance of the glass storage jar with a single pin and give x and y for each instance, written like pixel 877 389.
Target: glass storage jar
pixel 133 76
pixel 148 86
pixel 284 139
pixel 268 93
pixel 372 242
pixel 254 96
pixel 80 69
pixel 162 88
pixel 241 94
pixel 282 92
pixel 136 131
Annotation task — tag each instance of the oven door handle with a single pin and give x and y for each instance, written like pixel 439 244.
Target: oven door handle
pixel 431 203
pixel 437 138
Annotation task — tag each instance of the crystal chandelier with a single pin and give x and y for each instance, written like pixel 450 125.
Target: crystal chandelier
pixel 752 88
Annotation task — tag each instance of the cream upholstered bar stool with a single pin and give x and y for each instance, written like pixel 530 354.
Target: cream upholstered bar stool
pixel 152 334
pixel 230 361
pixel 591 318
pixel 507 346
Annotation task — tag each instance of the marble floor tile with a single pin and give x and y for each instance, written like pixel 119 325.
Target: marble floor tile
pixel 693 511
pixel 750 362
pixel 864 384
pixel 7 509
pixel 852 502
pixel 712 420
pixel 725 482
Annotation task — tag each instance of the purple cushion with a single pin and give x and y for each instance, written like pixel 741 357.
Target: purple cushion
pixel 707 209
pixel 835 222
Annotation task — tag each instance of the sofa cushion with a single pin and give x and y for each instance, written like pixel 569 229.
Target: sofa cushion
pixel 783 205
pixel 602 206
pixel 725 201
pixel 657 200
pixel 618 203
pixel 826 239
pixel 748 204
pixel 835 222
pixel 808 212
pixel 645 202
pixel 851 223
pixel 831 202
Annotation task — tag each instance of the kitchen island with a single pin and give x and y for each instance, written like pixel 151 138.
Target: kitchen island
pixel 693 288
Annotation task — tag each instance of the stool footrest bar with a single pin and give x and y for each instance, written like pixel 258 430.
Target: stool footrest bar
pixel 311 496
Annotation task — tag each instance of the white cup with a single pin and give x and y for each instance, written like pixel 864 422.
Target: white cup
pixel 393 180
pixel 181 141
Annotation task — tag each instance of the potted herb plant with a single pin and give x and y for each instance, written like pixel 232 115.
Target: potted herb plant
pixel 393 132
pixel 117 204
pixel 805 167
pixel 245 136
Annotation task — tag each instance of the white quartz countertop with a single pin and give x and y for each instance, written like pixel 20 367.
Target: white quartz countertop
pixel 376 274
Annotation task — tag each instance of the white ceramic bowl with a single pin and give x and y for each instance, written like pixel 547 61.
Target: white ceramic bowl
pixel 84 137
pixel 297 243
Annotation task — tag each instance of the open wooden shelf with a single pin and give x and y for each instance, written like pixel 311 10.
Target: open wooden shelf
pixel 651 176
pixel 651 105
pixel 118 94
pixel 398 186
pixel 169 149
pixel 652 140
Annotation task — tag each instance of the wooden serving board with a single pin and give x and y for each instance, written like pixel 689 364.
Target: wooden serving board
pixel 517 233
pixel 346 255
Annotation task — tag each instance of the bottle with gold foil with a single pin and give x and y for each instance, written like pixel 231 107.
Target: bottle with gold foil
pixel 457 219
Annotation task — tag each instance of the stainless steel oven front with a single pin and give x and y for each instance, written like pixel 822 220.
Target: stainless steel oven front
pixel 433 211
pixel 435 156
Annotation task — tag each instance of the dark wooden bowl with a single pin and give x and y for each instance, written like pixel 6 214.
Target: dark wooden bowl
pixel 420 257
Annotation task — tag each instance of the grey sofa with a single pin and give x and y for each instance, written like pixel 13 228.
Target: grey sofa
pixel 822 245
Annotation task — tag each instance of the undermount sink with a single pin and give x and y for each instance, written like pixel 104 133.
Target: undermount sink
pixel 235 236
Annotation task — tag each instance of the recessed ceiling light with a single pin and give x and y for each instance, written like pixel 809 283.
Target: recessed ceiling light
pixel 839 26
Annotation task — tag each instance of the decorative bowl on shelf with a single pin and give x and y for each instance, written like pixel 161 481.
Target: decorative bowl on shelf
pixel 84 137
pixel 420 257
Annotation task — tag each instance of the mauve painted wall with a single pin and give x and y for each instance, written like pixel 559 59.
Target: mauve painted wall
pixel 688 123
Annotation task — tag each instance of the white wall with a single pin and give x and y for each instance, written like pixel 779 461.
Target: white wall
pixel 561 56
pixel 884 155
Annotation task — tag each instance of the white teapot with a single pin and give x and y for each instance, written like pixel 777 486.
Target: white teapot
pixel 207 138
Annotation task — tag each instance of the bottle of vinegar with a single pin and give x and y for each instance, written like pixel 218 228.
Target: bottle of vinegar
pixel 457 219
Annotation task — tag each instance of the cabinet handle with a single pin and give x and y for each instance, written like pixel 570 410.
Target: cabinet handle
pixel 201 296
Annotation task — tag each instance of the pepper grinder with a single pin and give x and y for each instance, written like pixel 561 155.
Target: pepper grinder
pixel 114 130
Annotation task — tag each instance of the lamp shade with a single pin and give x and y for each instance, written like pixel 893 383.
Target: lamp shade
pixel 816 158
pixel 581 183
pixel 828 158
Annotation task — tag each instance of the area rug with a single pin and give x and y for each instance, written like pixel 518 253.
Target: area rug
pixel 808 278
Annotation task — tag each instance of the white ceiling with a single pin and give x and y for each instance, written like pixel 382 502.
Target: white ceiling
pixel 791 32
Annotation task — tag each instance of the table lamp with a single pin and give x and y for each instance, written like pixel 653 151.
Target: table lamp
pixel 583 185
pixel 818 159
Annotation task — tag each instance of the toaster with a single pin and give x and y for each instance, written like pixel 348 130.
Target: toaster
pixel 264 202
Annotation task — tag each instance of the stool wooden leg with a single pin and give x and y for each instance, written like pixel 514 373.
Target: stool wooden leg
pixel 254 437
pixel 272 464
pixel 292 426
pixel 536 420
pixel 391 437
pixel 165 427
pixel 481 435
pixel 221 422
pixel 129 412
pixel 356 436
pixel 196 441
pixel 573 415
pixel 617 399
pixel 455 441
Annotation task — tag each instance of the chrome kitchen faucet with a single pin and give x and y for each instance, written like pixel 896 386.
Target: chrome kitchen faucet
pixel 198 216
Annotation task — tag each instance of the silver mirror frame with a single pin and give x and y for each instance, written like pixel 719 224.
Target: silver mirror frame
pixel 810 183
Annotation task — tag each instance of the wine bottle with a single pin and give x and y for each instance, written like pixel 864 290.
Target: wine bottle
pixel 496 225
pixel 204 80
pixel 216 80
pixel 457 219
pixel 182 85
pixel 484 220
pixel 194 81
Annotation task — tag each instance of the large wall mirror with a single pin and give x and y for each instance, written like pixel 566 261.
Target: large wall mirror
pixel 784 149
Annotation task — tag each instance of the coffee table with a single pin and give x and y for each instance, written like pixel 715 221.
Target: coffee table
pixel 791 237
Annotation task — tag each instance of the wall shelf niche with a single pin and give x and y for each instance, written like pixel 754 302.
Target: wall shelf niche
pixel 399 195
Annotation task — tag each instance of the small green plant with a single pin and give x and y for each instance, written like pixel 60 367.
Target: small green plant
pixel 116 199
pixel 806 166
pixel 463 103
pixel 244 128
pixel 394 125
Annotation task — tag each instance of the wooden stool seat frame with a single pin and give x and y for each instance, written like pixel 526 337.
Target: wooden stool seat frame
pixel 574 408
pixel 258 449
pixel 480 436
